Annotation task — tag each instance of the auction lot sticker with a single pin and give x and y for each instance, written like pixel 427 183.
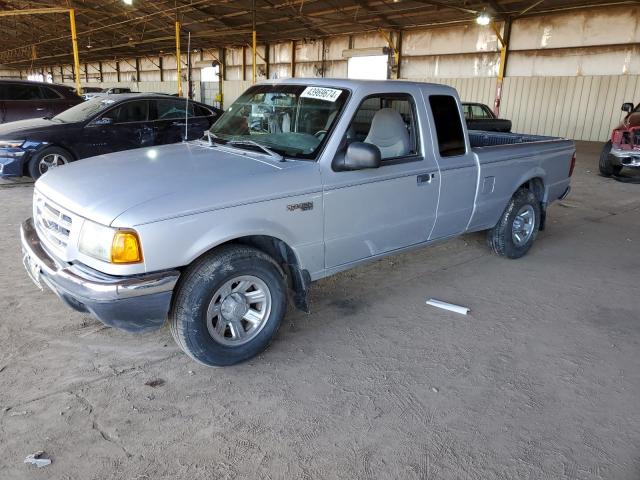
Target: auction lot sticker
pixel 321 93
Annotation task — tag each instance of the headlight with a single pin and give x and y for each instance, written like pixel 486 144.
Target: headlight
pixel 11 143
pixel 110 244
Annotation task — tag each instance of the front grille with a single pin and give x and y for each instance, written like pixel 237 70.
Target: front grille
pixel 54 224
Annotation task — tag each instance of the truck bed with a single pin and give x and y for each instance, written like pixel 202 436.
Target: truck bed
pixel 511 159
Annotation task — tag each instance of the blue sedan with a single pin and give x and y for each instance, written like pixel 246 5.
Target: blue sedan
pixel 98 126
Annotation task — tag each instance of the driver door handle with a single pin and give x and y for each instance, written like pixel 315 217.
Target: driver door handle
pixel 425 178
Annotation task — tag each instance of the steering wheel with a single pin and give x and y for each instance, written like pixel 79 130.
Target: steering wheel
pixel 320 133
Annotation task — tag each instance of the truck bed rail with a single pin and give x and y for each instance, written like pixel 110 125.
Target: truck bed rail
pixel 479 138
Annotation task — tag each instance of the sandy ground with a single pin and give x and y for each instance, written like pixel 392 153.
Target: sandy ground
pixel 540 381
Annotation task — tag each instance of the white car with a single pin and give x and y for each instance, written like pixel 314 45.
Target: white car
pixel 105 92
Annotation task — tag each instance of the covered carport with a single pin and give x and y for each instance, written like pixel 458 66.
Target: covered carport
pixel 539 380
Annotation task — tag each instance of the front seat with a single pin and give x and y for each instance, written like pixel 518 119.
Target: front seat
pixel 389 133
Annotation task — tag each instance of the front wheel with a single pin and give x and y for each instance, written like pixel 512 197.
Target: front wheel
pixel 47 159
pixel 228 306
pixel 606 167
pixel 518 227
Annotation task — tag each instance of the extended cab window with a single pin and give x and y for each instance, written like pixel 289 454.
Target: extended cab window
pixel 448 125
pixel 388 122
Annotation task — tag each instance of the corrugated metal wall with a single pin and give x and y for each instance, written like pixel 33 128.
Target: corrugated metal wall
pixel 232 89
pixel 580 108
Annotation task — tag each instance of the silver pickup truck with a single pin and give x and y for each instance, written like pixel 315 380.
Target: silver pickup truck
pixel 298 180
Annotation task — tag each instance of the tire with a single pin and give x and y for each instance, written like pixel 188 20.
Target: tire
pixel 209 319
pixel 44 160
pixel 605 166
pixel 503 239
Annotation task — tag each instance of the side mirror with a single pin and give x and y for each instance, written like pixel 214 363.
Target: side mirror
pixel 103 121
pixel 627 107
pixel 359 155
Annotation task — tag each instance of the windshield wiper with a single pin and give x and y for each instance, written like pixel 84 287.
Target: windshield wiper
pixel 251 143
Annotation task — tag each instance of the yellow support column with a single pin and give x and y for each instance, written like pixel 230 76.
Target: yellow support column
pixel 253 45
pixel 76 56
pixel 504 45
pixel 178 60
pixel 255 72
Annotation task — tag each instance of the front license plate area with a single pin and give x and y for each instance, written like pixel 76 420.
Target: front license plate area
pixel 33 270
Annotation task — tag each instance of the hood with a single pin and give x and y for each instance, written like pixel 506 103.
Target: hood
pixel 150 184
pixel 22 128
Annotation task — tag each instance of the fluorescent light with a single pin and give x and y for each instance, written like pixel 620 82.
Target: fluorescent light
pixel 128 2
pixel 483 19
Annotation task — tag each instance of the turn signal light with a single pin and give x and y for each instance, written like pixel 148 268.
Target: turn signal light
pixel 126 247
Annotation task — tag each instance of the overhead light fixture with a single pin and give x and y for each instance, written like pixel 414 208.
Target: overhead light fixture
pixel 128 2
pixel 483 18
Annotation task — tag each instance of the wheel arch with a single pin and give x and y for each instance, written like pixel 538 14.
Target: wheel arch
pixel 536 185
pixel 298 279
pixel 36 151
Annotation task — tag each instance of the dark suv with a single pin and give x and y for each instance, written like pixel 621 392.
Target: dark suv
pixel 21 99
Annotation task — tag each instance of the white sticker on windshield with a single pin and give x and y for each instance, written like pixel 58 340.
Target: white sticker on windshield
pixel 321 93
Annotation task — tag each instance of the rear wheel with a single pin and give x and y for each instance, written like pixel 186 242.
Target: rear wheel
pixel 47 159
pixel 228 306
pixel 518 227
pixel 606 167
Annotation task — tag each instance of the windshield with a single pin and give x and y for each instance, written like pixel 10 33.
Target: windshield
pixel 84 111
pixel 292 120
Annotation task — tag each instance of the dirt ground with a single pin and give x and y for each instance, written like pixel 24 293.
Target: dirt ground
pixel 540 381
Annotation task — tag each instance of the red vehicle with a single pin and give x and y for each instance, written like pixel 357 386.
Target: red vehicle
pixel 22 99
pixel 623 150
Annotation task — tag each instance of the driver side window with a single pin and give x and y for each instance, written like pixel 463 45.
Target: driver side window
pixel 387 121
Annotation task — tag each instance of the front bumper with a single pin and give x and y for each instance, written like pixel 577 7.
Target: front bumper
pixel 133 303
pixel 12 162
pixel 625 157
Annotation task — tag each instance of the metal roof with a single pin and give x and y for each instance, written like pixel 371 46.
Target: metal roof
pixel 110 29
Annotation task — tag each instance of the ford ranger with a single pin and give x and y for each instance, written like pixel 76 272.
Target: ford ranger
pixel 298 180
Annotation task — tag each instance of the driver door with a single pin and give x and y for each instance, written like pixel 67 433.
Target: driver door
pixel 379 210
